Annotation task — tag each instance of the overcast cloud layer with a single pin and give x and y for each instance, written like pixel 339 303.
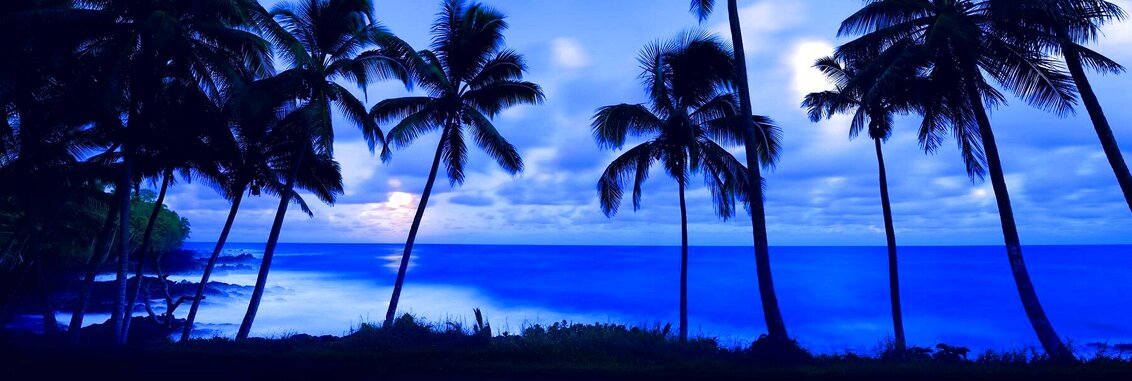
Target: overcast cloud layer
pixel 823 192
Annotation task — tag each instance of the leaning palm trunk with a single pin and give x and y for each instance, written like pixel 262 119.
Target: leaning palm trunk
pixel 404 267
pixel 893 273
pixel 776 328
pixel 269 251
pixel 1051 342
pixel 102 247
pixel 123 192
pixel 188 329
pixel 143 251
pixel 1100 122
pixel 683 265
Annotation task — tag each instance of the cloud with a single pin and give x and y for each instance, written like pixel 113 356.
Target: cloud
pixel 568 53
pixel 824 190
pixel 807 79
pixel 762 21
pixel 472 200
pixel 358 165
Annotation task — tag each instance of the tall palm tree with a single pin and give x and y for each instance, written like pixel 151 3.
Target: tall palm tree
pixel 873 109
pixel 957 48
pixel 144 45
pixel 689 119
pixel 261 148
pixel 188 128
pixel 772 314
pixel 1062 27
pixel 325 41
pixel 468 77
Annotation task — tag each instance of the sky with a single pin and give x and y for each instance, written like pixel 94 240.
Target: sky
pixel 823 191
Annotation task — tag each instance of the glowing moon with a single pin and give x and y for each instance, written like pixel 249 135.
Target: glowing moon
pixel 399 200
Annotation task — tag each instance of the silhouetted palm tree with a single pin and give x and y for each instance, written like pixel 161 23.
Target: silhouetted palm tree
pixel 772 315
pixel 325 41
pixel 956 44
pixel 144 45
pixel 264 141
pixel 873 109
pixel 689 119
pixel 183 140
pixel 1062 27
pixel 468 77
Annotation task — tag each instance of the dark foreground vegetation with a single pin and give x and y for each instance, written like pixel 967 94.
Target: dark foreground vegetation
pixel 423 351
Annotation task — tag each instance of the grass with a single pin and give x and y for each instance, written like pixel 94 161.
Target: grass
pixel 421 350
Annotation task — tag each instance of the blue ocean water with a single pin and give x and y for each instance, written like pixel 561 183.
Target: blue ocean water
pixel 833 298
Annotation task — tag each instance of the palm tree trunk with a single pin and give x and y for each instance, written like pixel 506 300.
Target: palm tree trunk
pixel 211 264
pixel 683 265
pixel 102 247
pixel 269 251
pixel 893 273
pixel 776 328
pixel 143 254
pixel 404 267
pixel 123 192
pixel 38 257
pixel 50 323
pixel 1100 122
pixel 1051 342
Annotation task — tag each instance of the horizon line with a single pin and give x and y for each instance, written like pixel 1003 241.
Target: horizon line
pixel 643 245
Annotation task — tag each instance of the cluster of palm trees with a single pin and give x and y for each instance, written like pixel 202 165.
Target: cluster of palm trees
pixel 945 61
pixel 101 95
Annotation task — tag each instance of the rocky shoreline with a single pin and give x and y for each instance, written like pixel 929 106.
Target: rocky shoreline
pixel 180 263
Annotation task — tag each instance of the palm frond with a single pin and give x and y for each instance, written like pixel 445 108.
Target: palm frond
pixel 613 124
pixel 702 8
pixel 495 97
pixel 454 153
pixel 488 138
pixel 634 164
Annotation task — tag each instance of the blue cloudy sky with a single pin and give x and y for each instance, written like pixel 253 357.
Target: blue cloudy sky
pixel 823 192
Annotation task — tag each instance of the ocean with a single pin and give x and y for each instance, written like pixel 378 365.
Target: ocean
pixel 833 299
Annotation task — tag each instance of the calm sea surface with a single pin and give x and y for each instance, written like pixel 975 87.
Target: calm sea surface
pixel 833 298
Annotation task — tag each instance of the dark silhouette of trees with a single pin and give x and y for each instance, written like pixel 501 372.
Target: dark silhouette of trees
pixel 957 46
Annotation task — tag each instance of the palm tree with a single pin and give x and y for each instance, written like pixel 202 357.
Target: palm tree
pixel 262 146
pixel 772 314
pixel 689 118
pixel 1061 27
pixel 957 47
pixel 189 127
pixel 144 45
pixel 324 41
pixel 99 251
pixel 468 77
pixel 873 110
